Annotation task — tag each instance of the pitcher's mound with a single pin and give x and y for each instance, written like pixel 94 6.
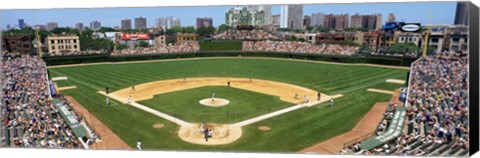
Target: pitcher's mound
pixel 221 134
pixel 158 125
pixel 214 103
pixel 264 128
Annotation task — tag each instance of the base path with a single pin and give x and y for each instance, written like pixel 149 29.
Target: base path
pixel 365 128
pixel 109 139
pixel 285 91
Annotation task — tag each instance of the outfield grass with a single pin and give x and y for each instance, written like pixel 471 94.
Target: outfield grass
pixel 243 104
pixel 290 132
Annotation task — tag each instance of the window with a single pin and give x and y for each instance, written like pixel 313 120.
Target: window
pixel 53 47
pixel 456 39
pixel 52 41
pixel 75 46
pixel 74 41
pixel 435 40
pixel 466 40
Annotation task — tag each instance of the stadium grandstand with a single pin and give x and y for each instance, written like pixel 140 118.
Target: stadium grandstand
pixel 32 114
pixel 437 122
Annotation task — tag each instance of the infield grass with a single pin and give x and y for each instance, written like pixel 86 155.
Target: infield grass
pixel 290 132
pixel 243 104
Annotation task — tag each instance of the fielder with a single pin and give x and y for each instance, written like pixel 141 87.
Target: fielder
pixel 213 97
pixel 129 99
pixel 319 95
pixel 139 145
pixel 331 102
pixel 306 99
pixel 107 101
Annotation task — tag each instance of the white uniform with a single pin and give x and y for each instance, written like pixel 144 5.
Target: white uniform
pixel 139 145
pixel 129 100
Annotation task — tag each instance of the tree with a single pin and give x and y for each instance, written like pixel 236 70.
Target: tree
pixel 121 46
pixel 292 38
pixel 365 49
pixel 323 29
pixel 106 29
pixel 401 48
pixel 142 44
pixel 223 28
pixel 189 29
pixel 205 31
pixel 309 28
pixel 353 29
pixel 66 30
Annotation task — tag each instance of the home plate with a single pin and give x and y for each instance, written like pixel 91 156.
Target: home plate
pixel 397 81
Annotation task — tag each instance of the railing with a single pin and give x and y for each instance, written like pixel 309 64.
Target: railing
pixel 365 136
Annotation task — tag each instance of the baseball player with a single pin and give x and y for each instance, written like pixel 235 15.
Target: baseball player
pixel 319 95
pixel 331 102
pixel 133 88
pixel 107 101
pixel 306 99
pixel 228 83
pixel 129 99
pixel 139 145
pixel 213 97
pixel 296 96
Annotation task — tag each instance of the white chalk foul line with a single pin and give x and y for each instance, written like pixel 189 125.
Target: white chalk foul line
pixel 149 110
pixel 160 114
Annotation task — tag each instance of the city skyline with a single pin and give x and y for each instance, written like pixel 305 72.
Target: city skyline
pixel 437 13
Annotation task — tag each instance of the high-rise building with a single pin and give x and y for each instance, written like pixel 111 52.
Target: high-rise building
pixel 307 21
pixel 94 25
pixel 9 27
pixel 317 19
pixel 167 22
pixel 140 23
pixel 461 14
pixel 126 24
pixel 276 20
pixel 79 26
pixel 204 22
pixel 356 21
pixel 337 22
pixel 373 21
pixel 161 22
pixel 391 17
pixel 267 12
pixel 242 16
pixel 21 23
pixel 173 22
pixel 51 26
pixel 291 16
pixel 378 22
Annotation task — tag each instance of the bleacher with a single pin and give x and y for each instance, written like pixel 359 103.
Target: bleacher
pixel 437 114
pixel 28 117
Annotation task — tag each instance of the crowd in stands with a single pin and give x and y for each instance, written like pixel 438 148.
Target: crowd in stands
pixel 28 116
pixel 187 46
pixel 298 47
pixel 73 53
pixel 437 110
pixel 246 35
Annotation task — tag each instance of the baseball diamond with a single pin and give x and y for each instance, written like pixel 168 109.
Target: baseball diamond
pixel 171 89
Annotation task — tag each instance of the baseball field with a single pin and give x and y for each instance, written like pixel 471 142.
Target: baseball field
pixel 168 93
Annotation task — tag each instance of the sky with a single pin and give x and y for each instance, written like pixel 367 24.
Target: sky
pixel 422 12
